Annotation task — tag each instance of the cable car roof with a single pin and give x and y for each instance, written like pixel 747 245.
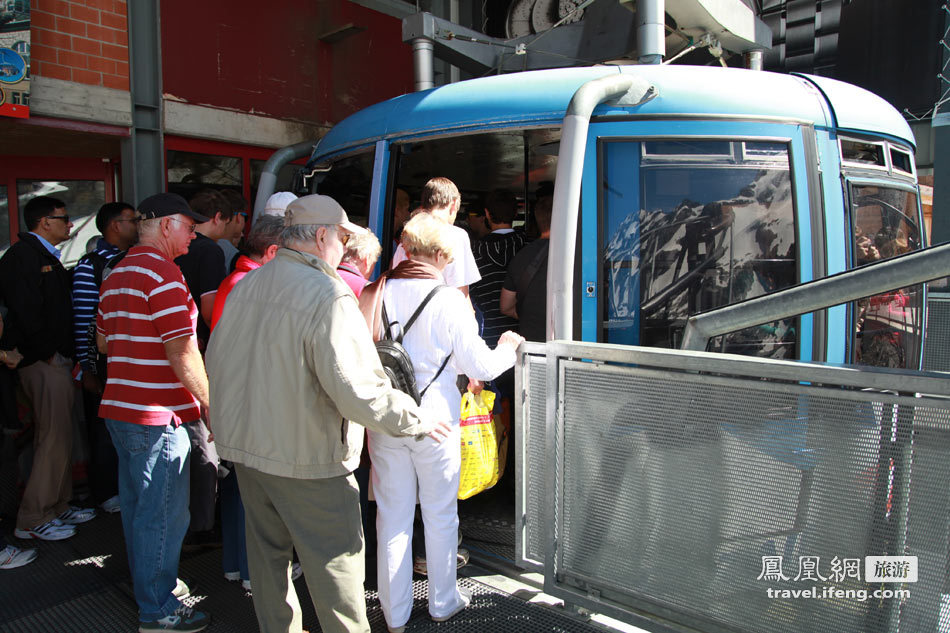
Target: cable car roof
pixel 540 98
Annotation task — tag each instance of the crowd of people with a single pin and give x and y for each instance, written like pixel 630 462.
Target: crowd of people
pixel 223 386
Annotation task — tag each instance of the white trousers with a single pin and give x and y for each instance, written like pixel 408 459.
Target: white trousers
pixel 399 466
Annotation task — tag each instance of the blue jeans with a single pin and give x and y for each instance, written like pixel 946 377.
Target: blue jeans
pixel 153 492
pixel 233 537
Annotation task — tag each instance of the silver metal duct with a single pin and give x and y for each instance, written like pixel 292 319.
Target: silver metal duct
pixel 567 196
pixel 753 59
pixel 422 58
pixel 651 31
pixel 268 180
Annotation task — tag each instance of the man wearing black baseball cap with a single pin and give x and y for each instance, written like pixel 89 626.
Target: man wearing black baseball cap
pixel 156 383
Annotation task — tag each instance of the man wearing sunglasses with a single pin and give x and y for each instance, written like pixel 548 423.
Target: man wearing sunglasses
pixel 36 288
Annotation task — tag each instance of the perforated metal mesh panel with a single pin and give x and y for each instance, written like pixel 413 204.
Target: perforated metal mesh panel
pixel 937 341
pixel 529 544
pixel 692 496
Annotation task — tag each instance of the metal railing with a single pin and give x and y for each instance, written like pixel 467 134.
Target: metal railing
pixel 937 337
pixel 899 272
pixel 687 490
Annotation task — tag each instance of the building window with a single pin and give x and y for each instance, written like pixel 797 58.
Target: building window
pixel 190 172
pixel 83 199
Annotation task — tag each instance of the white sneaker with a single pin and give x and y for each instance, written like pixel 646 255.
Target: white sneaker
pixel 181 590
pixel 246 584
pixel 466 596
pixel 74 516
pixel 12 557
pixel 52 530
pixel 111 505
pixel 232 575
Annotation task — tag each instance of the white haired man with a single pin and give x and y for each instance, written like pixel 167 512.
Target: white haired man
pixel 156 384
pixel 294 375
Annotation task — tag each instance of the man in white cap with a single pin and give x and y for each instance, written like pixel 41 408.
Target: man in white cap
pixel 294 374
pixel 277 203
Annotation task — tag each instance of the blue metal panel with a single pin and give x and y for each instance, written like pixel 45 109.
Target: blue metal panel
pixel 589 253
pixel 377 199
pixel 837 241
pixel 806 238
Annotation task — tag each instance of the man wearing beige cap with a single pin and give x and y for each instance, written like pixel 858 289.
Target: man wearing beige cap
pixel 294 378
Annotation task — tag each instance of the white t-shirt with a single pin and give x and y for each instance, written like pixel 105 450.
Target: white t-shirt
pixel 463 271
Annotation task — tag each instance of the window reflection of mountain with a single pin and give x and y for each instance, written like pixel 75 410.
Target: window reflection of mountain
pixel 704 255
pixel 767 271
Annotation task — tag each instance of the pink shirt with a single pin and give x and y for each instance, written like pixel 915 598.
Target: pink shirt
pixel 352 277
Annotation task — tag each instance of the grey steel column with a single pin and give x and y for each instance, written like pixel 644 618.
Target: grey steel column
pixel 143 155
pixel 651 31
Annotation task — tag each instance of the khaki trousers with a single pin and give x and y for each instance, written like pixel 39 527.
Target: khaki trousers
pixel 320 518
pixel 50 388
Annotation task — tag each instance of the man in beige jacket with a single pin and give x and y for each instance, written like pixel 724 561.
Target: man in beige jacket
pixel 294 379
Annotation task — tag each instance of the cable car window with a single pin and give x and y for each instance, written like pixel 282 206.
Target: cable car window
pixel 862 153
pixel 349 182
pixel 887 326
pixel 700 149
pixel 902 161
pixel 523 162
pixel 683 237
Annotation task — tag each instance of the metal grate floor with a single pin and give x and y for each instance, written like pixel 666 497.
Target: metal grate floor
pixel 487 522
pixel 81 585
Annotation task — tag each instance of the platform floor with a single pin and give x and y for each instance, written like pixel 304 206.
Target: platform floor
pixel 82 585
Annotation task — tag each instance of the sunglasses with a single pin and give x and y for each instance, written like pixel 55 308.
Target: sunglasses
pixel 191 227
pixel 64 218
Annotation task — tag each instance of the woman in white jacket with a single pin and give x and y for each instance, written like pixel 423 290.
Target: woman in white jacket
pixel 445 329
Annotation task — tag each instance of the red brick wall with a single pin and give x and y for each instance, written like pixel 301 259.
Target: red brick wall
pixel 85 41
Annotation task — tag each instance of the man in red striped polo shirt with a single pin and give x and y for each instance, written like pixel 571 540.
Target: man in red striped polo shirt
pixel 156 382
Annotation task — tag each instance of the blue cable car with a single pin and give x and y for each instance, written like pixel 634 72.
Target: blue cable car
pixel 677 189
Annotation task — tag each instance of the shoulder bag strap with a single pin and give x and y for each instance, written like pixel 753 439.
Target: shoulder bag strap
pixel 415 315
pixel 437 374
pixel 531 270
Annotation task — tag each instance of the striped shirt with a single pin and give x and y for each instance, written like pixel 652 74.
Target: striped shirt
pixel 86 300
pixel 143 304
pixel 493 253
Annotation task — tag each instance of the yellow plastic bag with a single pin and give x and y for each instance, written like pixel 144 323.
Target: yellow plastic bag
pixel 479 444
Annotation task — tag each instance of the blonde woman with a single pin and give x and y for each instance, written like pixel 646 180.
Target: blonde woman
pixel 445 335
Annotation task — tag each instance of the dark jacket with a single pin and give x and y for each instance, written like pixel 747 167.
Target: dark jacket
pixel 35 287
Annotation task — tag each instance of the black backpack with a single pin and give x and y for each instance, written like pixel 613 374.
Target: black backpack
pixel 396 361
